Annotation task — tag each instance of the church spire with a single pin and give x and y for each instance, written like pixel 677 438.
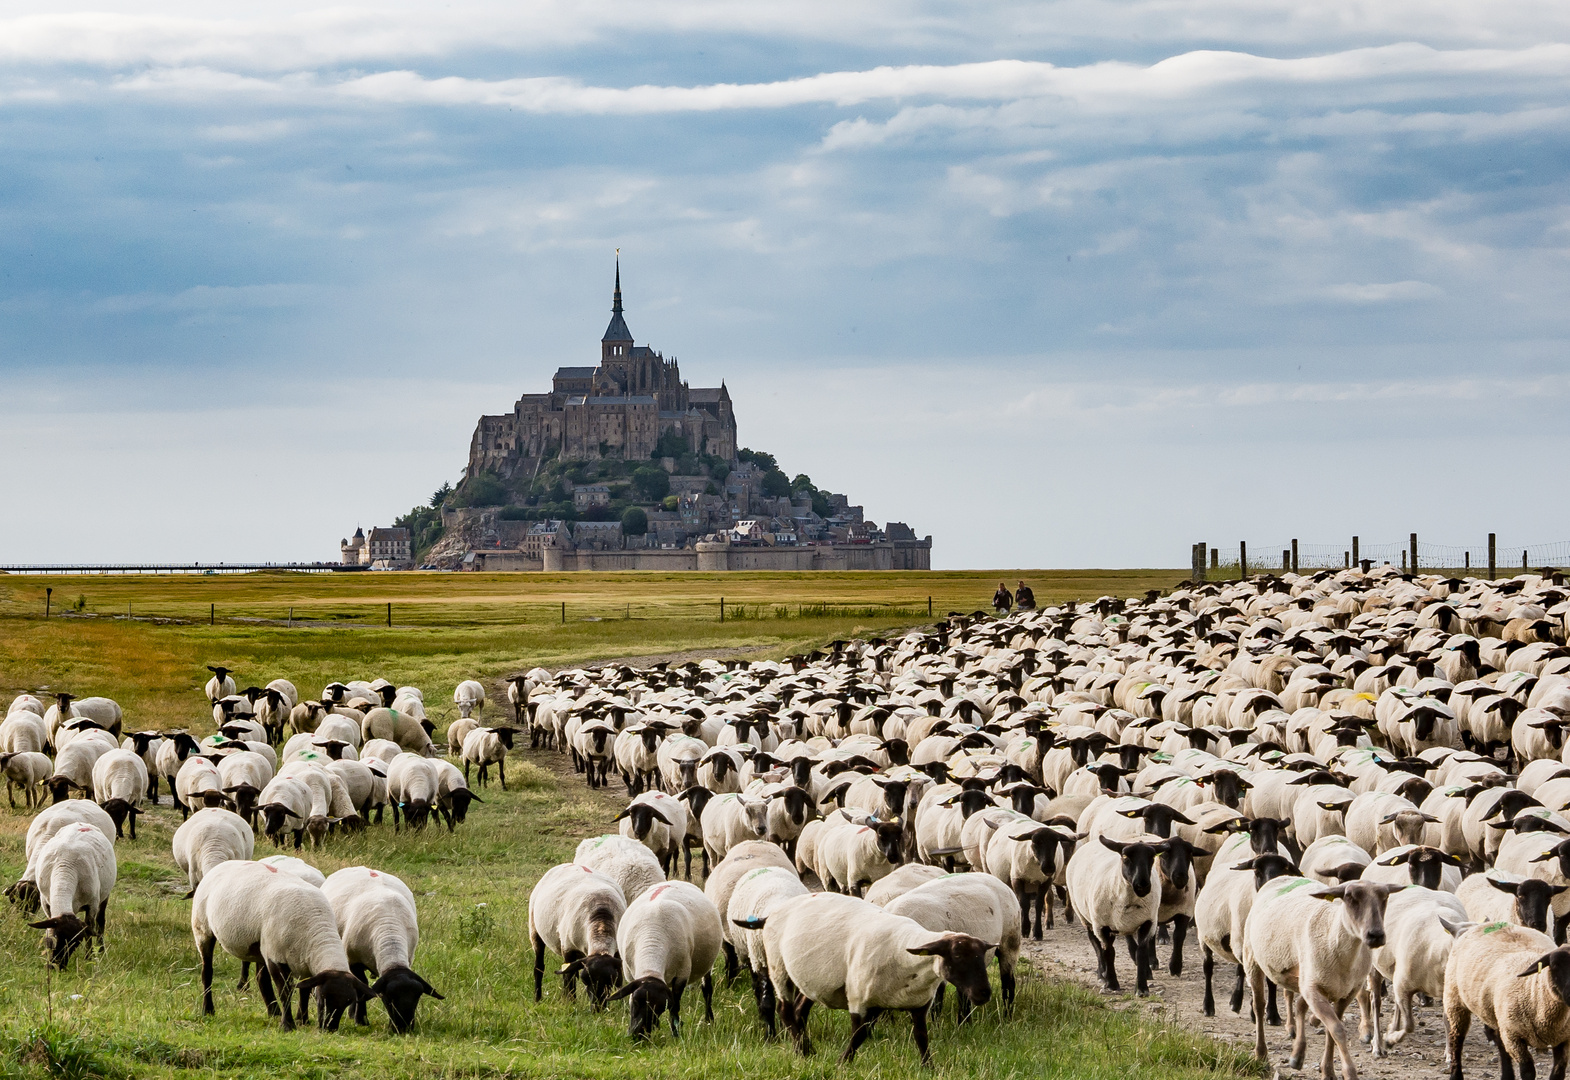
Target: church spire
pixel 617 331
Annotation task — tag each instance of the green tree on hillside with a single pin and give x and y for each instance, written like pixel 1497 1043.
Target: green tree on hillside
pixel 634 522
pixel 651 482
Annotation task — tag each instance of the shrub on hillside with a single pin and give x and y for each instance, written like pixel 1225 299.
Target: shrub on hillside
pixel 634 522
pixel 651 482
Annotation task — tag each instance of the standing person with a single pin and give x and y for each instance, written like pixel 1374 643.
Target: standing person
pixel 1002 600
pixel 1024 598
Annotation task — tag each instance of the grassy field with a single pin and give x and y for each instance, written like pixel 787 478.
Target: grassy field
pixel 135 1010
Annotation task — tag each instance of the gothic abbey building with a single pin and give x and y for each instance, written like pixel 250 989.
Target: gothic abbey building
pixel 619 408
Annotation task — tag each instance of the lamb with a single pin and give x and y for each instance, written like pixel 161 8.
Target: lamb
pixel 469 696
pixel 574 912
pixel 284 926
pixel 848 954
pixel 729 819
pixel 76 872
pixel 1416 950
pixel 208 837
pixel 486 747
pixel 1299 938
pixel 1497 974
pixel 851 857
pixel 627 862
pixel 755 896
pixel 45 825
pixel 666 937
pixel 120 785
pixel 976 904
pixel 27 770
pixel 380 931
pixel 1114 890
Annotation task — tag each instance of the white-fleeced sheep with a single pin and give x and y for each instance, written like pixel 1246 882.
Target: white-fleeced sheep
pixel 484 747
pixel 851 857
pixel 208 837
pixel 120 786
pixel 469 696
pixel 900 881
pixel 667 937
pixel 574 912
pixel 731 818
pixel 76 872
pixel 756 893
pixel 380 931
pixel 627 862
pixel 45 824
pixel 976 904
pixel 260 914
pixel 27 770
pixel 1513 980
pixel 1116 891
pixel 412 789
pixel 1415 953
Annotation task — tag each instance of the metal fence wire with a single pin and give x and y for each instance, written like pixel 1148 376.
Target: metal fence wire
pixel 1509 556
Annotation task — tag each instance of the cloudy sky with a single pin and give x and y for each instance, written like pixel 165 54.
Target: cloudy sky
pixel 1067 283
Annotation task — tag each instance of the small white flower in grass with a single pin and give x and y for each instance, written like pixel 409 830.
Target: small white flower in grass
pixel 76 997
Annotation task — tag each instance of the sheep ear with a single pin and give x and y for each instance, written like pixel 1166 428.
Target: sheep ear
pixel 622 815
pixel 1510 887
pixel 935 948
pixel 1540 964
pixel 1455 929
pixel 571 965
pixel 623 992
pixel 659 815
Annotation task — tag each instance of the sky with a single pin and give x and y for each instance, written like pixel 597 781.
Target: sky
pixel 1068 283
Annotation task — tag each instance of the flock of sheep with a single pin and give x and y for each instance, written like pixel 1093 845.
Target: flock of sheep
pixel 1339 785
pixel 361 748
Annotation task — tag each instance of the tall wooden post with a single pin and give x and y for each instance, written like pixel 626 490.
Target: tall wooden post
pixel 1413 561
pixel 1490 556
pixel 1242 558
pixel 1355 558
pixel 1294 556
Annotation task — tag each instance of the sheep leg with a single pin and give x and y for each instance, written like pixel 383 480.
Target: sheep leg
pixel 1457 1019
pixel 860 1028
pixel 206 949
pixel 285 984
pixel 1179 933
pixel 1101 960
pixel 1300 1034
pixel 264 983
pixel 1237 991
pixel 1272 1014
pixel 1209 967
pixel 359 972
pixel 799 1023
pixel 245 975
pixel 678 988
pixel 501 769
pixel 305 1010
pixel 103 916
pixel 732 964
pixel 1506 1066
pixel 1558 1072
pixel 1523 1053
pixel 706 984
pixel 1371 1005
pixel 1043 903
pixel 1561 923
pixel 918 1028
pixel 763 986
pixel 539 965
pixel 935 1007
pixel 1110 951
pixel 1256 980
pixel 465 770
pixel 1142 962
pixel 569 979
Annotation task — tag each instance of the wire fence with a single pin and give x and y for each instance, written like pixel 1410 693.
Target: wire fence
pixel 1223 561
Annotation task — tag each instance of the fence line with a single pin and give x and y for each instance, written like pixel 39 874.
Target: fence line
pixel 1509 556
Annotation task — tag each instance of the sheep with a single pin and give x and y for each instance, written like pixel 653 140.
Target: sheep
pixel 1416 950
pixel 574 911
pixel 900 881
pixel 120 785
pixel 76 872
pixel 627 862
pixel 412 787
pixel 1221 912
pixel 208 837
pixel 305 716
pixel 1416 865
pixel 243 776
pixel 976 904
pixel 301 869
pixel 1316 942
pixel 741 860
pixel 1333 859
pixel 23 732
pixel 666 937
pixel 851 857
pixel 197 783
pixel 220 685
pixel 44 826
pixel 469 696
pixel 286 927
pixel 729 819
pixel 845 953
pixel 1504 897
pixel 755 896
pixel 340 729
pixel 1495 973
pixel 407 731
pixel 380 931
pixel 659 822
pixel 285 804
pixel 486 747
pixel 74 768
pixel 1114 890
pixel 171 755
pixel 146 744
pixel 27 770
pixel 383 750
pixel 458 731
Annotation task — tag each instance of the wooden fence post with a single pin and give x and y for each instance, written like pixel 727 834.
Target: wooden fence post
pixel 1356 559
pixel 389 614
pixel 49 594
pixel 212 614
pixel 1490 556
pixel 722 609
pixel 1414 553
pixel 564 613
pixel 1294 556
pixel 1242 559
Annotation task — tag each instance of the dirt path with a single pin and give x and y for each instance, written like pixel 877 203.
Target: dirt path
pixel 1065 953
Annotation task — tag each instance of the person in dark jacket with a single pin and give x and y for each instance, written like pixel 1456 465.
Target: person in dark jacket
pixel 1002 600
pixel 1024 598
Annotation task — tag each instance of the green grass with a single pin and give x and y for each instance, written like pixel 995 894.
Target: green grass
pixel 134 1011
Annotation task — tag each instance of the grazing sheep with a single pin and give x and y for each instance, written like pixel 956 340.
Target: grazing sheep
pixel 120 785
pixel 301 869
pixel 23 732
pixel 413 783
pixel 469 696
pixel 76 872
pixel 74 768
pixel 627 862
pixel 45 825
pixel 845 953
pixel 976 904
pixel 208 837
pixel 376 919
pixel 666 937
pixel 485 747
pixel 409 732
pixel 1514 981
pixel 284 926
pixel 1316 942
pixel 26 770
pixel 574 911
pixel 197 783
pixel 384 750
pixel 285 805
